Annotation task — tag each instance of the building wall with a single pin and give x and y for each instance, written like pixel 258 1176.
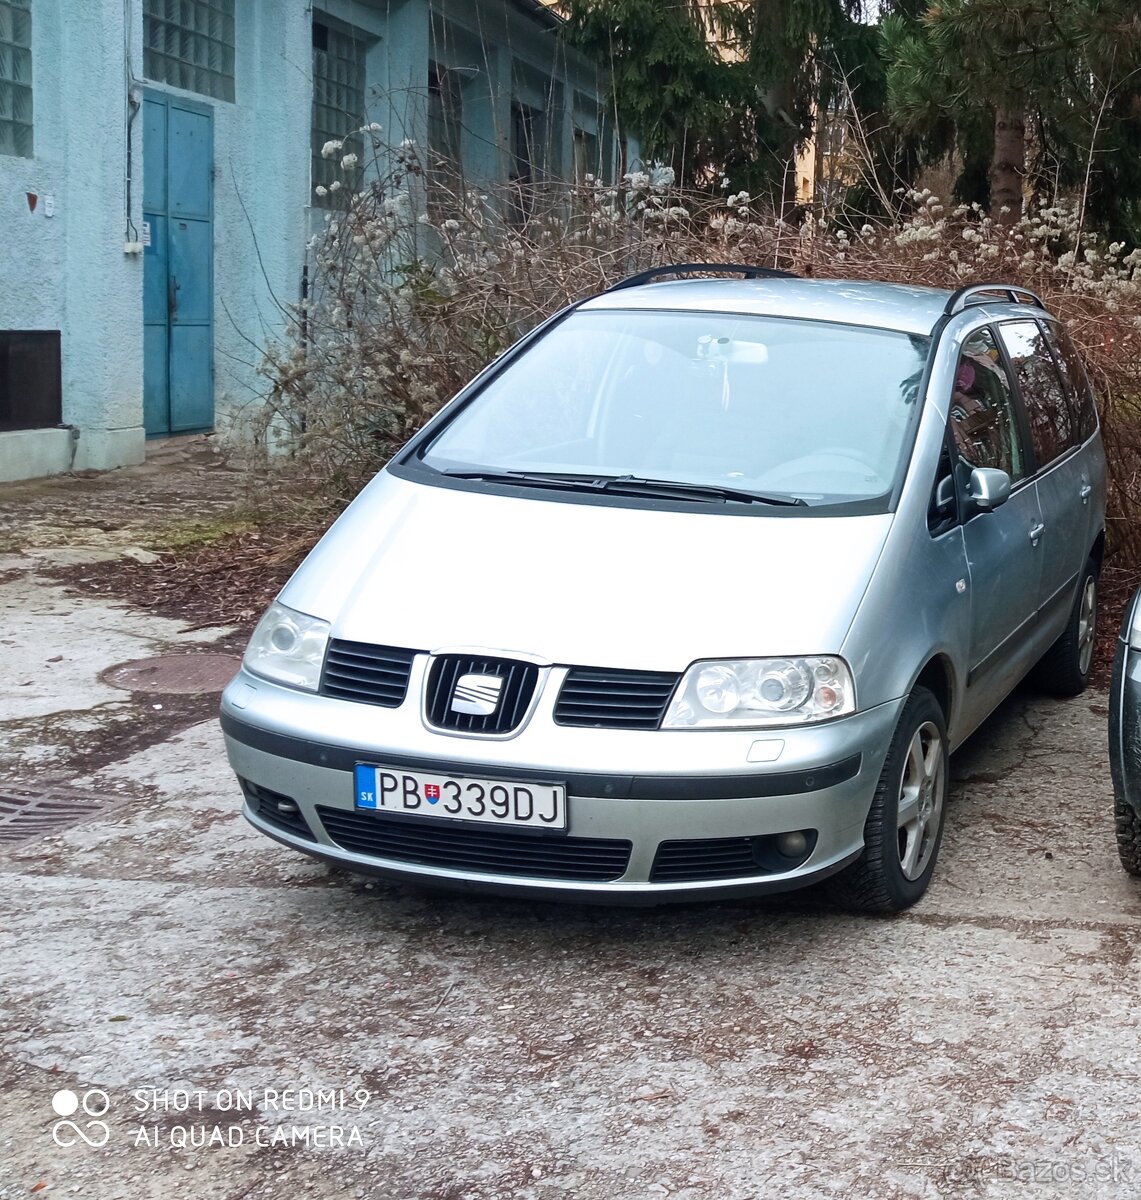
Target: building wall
pixel 68 271
pixel 261 189
pixel 499 53
pixel 74 270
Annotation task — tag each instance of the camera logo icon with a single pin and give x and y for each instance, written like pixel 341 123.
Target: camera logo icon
pixel 94 1102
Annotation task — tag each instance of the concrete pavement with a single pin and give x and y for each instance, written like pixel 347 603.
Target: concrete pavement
pixel 233 1020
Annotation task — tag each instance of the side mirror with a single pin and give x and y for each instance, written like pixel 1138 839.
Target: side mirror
pixel 989 487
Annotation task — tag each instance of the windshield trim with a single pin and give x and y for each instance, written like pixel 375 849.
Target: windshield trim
pixel 422 473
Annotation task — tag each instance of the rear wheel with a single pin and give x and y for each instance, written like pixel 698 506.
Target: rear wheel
pixel 905 822
pixel 1064 669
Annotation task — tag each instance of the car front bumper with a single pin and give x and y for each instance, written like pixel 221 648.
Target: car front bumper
pixel 659 815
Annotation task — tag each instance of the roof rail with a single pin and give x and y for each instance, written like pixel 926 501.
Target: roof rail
pixel 699 269
pixel 959 300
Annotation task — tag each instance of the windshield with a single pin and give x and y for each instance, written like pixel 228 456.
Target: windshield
pixel 785 408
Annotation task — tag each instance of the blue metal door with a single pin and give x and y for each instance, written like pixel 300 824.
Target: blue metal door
pixel 178 272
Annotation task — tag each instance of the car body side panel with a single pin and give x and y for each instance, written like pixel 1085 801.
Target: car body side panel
pixel 1125 715
pixel 991 625
pixel 1005 567
pixel 917 605
pixel 1071 493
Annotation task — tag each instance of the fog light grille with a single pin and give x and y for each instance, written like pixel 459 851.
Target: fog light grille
pixel 708 859
pixel 282 812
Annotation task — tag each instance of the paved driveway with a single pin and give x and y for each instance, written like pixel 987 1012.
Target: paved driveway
pixel 257 1026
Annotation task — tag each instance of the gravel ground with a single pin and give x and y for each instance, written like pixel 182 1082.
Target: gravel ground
pixel 257 1026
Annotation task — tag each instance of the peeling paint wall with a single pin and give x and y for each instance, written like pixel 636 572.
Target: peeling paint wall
pixel 67 270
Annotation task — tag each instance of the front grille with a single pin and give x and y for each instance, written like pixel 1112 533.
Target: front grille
pixel 366 673
pixel 470 848
pixel 599 698
pixel 519 679
pixel 277 810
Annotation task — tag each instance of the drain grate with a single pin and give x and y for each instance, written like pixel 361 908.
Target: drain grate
pixel 28 816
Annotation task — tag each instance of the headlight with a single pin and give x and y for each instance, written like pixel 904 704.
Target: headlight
pixel 289 647
pixel 761 691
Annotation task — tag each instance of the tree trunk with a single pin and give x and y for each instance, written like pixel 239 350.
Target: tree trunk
pixel 1008 167
pixel 770 46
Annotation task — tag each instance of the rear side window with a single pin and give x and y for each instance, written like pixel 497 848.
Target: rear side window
pixel 1052 414
pixel 1075 378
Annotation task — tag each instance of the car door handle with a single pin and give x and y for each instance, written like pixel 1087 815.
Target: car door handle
pixel 1035 533
pixel 1086 491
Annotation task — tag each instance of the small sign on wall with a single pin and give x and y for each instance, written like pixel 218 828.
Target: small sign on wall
pixel 146 234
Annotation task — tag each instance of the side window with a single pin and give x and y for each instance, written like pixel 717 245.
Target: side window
pixel 1073 372
pixel 1054 427
pixel 982 409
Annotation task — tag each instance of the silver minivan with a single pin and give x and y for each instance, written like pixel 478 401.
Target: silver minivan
pixel 691 593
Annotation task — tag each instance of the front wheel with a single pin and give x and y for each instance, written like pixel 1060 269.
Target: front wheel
pixel 905 822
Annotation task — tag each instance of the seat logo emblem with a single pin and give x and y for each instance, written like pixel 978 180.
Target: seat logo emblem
pixel 477 695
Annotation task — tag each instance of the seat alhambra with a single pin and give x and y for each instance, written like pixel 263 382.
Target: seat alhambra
pixel 690 594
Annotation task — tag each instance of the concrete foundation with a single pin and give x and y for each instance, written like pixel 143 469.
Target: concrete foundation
pixel 32 453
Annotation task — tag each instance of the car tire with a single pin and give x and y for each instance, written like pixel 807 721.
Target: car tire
pixel 1127 824
pixel 1064 669
pixel 899 856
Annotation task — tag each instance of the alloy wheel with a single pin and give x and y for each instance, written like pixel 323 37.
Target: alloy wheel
pixel 1087 625
pixel 920 806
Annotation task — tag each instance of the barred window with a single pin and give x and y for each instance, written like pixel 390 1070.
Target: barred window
pixel 190 44
pixel 338 104
pixel 16 77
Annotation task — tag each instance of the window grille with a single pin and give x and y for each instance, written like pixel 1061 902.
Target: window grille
pixel 338 105
pixel 190 44
pixel 16 77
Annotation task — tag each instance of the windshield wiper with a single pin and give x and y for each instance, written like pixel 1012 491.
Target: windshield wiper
pixel 633 485
pixel 708 491
pixel 568 482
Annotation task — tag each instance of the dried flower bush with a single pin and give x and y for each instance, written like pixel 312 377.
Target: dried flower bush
pixel 418 282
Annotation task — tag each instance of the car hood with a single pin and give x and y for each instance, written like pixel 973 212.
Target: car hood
pixel 431 568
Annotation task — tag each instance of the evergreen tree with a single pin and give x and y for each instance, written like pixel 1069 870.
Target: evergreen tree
pixel 714 85
pixel 1061 77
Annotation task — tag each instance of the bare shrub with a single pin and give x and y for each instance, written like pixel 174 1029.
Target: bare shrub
pixel 417 286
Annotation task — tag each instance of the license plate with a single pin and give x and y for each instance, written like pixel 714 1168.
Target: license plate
pixel 460 797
